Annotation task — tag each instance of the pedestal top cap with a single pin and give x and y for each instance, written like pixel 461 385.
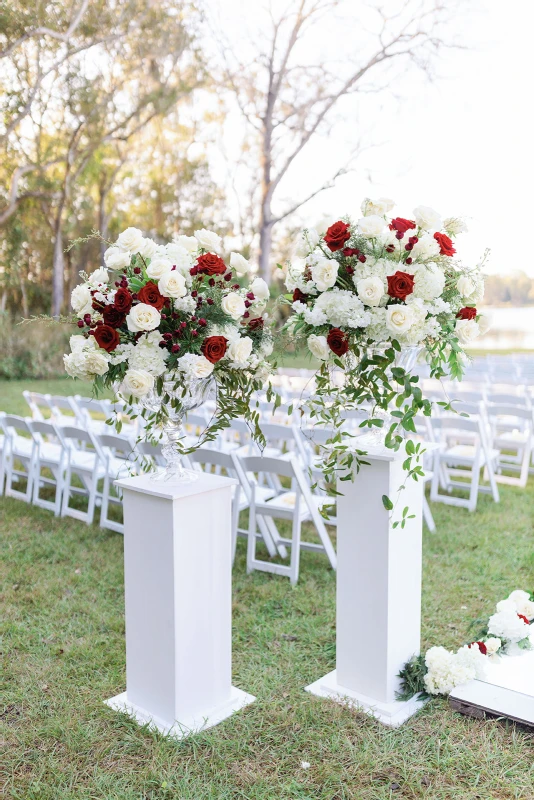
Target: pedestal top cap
pixel 173 491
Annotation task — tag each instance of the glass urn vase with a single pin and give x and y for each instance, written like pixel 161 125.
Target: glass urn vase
pixel 178 396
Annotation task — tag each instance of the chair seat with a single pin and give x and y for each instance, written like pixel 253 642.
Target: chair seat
pixel 22 447
pixel 286 502
pixel 84 460
pixel 262 493
pixel 50 452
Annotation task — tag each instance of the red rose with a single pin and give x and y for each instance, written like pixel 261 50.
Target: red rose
pixel 210 264
pixel 214 348
pixel 401 225
pixel 123 300
pixel 466 313
pixel 150 295
pixel 114 317
pixel 446 247
pixel 300 296
pixel 400 285
pixel 481 646
pixel 106 337
pixel 337 341
pixel 336 235
pixel 525 619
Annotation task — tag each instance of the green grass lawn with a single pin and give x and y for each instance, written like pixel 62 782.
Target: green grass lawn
pixel 63 653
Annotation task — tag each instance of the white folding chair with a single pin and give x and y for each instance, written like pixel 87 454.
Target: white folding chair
pixel 463 452
pixel 86 464
pixel 511 434
pixel 297 505
pixel 119 459
pixel 92 413
pixel 39 404
pixel 49 455
pixel 59 406
pixel 18 456
pixel 3 453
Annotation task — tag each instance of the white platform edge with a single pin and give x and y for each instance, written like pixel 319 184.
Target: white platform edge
pixel 391 714
pixel 180 729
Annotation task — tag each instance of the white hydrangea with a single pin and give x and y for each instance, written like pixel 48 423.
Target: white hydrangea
pixel 508 625
pixel 377 329
pixel 147 355
pixel 194 366
pixel 314 316
pixel 426 248
pixel 374 268
pixel 343 308
pixel 186 304
pixel 371 226
pixel 179 258
pixel 86 363
pixel 429 281
pixel 447 670
pixel 438 306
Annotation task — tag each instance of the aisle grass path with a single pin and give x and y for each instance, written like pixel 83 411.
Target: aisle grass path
pixel 62 654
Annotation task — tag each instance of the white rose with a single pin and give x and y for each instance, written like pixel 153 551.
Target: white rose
pixel 454 226
pixel 259 289
pixel 172 284
pixel 137 382
pixel 306 242
pixel 131 239
pixel 399 318
pixel 371 226
pixel 96 362
pixel 240 349
pixel 99 276
pixel 115 258
pixel 493 645
pixel 324 273
pixel 208 240
pixel 465 286
pixel 233 305
pixel 189 243
pixel 427 218
pixel 143 317
pixel 239 263
pixel 484 323
pixel 158 267
pixel 318 347
pixel 377 207
pixel 147 248
pixel 370 290
pixel 81 300
pixel 467 330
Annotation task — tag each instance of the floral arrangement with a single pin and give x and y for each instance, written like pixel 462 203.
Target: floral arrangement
pixel 439 671
pixel 364 295
pixel 173 313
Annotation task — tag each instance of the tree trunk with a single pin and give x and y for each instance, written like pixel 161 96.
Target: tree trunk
pixel 58 266
pixel 103 222
pixel 266 237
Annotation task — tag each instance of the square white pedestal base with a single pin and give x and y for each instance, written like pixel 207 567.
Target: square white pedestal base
pixel 182 728
pixel 392 714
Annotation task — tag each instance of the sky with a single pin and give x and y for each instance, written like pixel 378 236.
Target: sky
pixel 461 144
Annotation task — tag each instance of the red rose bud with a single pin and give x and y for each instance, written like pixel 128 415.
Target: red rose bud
pixel 228 277
pixel 408 246
pixel 236 286
pixel 362 258
pixel 256 324
pixel 400 285
pixel 174 315
pixel 350 271
pixel 466 313
pixel 193 271
pixel 90 333
pixel 194 293
pixel 176 348
pixel 399 235
pixel 210 264
pixel 413 239
pixel 250 295
pixel 246 315
pixel 247 303
pixel 481 646
pixel 299 296
pixel 167 336
pixel 390 248
pixel 337 342
pixel 107 337
pixel 211 282
pixel 336 235
pixel 194 319
pixel 137 270
pixel 525 619
pixel 214 348
pixel 80 323
pixel 117 283
pixel 199 301
pixel 202 322
pixel 163 343
pixel 183 325
pixel 87 319
pixel 446 247
pixel 401 225
pixel 409 260
pixel 348 252
pixel 209 301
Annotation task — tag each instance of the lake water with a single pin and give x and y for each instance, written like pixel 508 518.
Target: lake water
pixel 512 328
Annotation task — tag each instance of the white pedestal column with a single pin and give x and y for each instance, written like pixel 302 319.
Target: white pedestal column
pixel 378 589
pixel 178 584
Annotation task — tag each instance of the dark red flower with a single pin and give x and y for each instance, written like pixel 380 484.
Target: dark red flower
pixel 466 313
pixel 210 264
pixel 114 317
pixel 150 295
pixel 337 341
pixel 401 225
pixel 299 296
pixel 446 247
pixel 336 235
pixel 400 285
pixel 481 646
pixel 214 348
pixel 123 300
pixel 107 337
pixel 525 619
pixel 350 251
pixel 256 323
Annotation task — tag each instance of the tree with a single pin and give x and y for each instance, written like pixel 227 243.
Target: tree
pixel 294 82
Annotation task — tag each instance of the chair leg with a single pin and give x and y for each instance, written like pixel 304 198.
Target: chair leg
pixel 92 497
pixel 66 491
pixel 475 480
pixel 295 549
pixel 105 502
pixel 427 515
pixel 251 543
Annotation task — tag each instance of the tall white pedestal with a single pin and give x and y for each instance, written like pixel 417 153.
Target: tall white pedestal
pixel 378 589
pixel 177 576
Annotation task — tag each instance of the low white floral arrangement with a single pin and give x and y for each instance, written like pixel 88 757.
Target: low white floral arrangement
pixel 439 670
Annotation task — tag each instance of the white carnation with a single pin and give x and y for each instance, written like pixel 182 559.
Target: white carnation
pixel 372 226
pixel 370 290
pixel 81 300
pixel 507 625
pixel 318 346
pixel 143 317
pixel 429 281
pixel 427 218
pixel 208 240
pixel 137 382
pixel 158 267
pixel 116 258
pixel 131 239
pixel 233 305
pixel 239 350
pixel 324 273
pixel 467 330
pixel 172 284
pixel 239 264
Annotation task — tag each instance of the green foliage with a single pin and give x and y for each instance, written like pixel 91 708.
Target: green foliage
pixel 412 678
